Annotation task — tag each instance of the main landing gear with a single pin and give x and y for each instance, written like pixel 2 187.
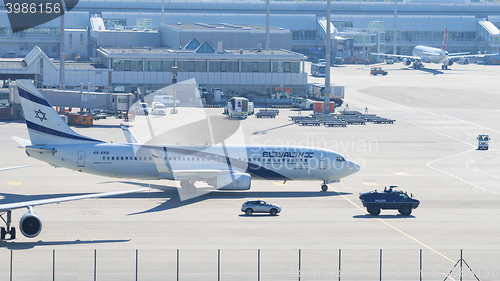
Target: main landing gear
pixel 188 186
pixel 7 230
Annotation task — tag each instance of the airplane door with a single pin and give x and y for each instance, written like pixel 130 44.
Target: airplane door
pixel 81 158
pixel 322 161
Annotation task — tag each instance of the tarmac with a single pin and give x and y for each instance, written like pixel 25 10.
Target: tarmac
pixel 430 152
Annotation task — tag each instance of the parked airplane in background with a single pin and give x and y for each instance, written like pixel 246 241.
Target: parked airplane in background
pixel 425 54
pixel 30 223
pixel 227 167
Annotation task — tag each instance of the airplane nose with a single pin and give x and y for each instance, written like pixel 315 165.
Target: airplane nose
pixel 353 167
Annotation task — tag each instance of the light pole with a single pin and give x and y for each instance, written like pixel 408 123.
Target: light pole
pixel 174 81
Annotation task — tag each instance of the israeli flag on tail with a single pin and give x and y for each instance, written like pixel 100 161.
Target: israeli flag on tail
pixel 45 126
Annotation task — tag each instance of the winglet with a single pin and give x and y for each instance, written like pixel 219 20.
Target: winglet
pixel 444 40
pixel 160 165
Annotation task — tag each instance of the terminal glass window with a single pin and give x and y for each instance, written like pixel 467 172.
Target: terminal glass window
pixel 70 44
pixel 215 66
pixel 191 66
pixel 201 66
pixel 118 65
pixel 167 65
pixel 136 65
pixel 154 65
pixel 295 67
pixel 183 66
pixel 246 66
pixel 255 67
pixel 264 66
pixel 81 42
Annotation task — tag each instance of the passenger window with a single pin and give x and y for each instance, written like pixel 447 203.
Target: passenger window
pixel 104 158
pixel 169 158
pixel 108 158
pixel 140 158
pixel 113 158
pixel 150 158
pixel 135 158
pixel 126 158
pixel 122 158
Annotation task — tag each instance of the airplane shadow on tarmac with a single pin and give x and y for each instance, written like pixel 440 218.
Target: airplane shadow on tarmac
pixel 174 200
pixel 423 69
pixel 172 195
pixel 11 245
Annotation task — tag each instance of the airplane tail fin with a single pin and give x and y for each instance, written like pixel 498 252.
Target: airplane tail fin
pixel 128 135
pixel 444 39
pixel 45 126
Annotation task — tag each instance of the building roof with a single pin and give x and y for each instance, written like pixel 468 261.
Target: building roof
pixel 12 63
pixel 119 51
pixel 199 26
pixel 78 65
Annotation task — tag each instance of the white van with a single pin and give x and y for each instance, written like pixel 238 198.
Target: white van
pixel 158 108
pixel 167 100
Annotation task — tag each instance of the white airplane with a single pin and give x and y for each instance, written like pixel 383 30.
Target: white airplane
pixel 225 167
pixel 30 223
pixel 425 54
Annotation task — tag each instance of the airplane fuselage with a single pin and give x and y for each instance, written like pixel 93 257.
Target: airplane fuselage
pixel 136 160
pixel 430 54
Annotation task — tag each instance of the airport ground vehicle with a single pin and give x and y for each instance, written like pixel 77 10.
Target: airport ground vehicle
pixel 390 199
pixel 238 107
pixel 143 108
pixel 158 108
pixel 377 70
pixel 483 142
pixel 167 100
pixel 389 61
pixel 303 103
pixel 259 206
pixel 318 69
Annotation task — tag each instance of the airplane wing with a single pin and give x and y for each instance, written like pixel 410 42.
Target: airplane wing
pixel 397 56
pixel 10 168
pixel 454 56
pixel 18 205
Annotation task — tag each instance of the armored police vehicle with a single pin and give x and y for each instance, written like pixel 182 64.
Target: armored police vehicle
pixel 389 199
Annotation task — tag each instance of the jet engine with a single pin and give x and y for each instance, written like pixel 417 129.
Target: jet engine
pixel 448 62
pixel 30 225
pixel 234 181
pixel 406 61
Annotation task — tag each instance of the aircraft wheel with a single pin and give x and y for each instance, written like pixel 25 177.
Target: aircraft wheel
pixel 324 187
pixel 2 233
pixel 12 233
pixel 249 211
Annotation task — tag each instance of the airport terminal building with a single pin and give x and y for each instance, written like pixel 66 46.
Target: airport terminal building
pixel 120 42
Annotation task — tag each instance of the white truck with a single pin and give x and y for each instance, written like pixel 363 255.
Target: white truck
pixel 303 103
pixel 167 100
pixel 239 107
pixel 158 108
pixel 482 142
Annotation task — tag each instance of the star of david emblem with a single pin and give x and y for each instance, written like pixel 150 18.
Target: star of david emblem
pixel 40 115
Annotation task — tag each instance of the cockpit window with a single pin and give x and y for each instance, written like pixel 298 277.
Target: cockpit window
pixel 339 158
